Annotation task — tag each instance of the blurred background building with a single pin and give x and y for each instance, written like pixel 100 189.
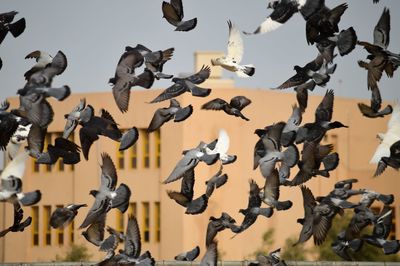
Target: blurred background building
pixel 165 229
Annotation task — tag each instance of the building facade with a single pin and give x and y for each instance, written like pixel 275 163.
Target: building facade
pixel 165 229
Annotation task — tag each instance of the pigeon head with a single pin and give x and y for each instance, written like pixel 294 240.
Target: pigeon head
pixel 297 68
pixel 112 80
pixel 93 193
pixel 66 116
pixel 175 79
pixel 336 124
pixel 272 5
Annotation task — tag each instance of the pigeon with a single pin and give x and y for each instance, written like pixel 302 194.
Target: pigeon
pixel 174 111
pixel 221 148
pixel 391 136
pixel 62 217
pixel 108 196
pixel 324 23
pixel 188 84
pixel 63 148
pixel 125 77
pixel 234 107
pixel 369 196
pixel 253 209
pixel 173 13
pixel 43 59
pixel 132 246
pixel 231 61
pixel 216 225
pixel 302 94
pixel 95 235
pixel 291 127
pixel 11 183
pixel 272 259
pixel 216 181
pixel 270 193
pixel 7 25
pixel 80 114
pixel 303 74
pixel 374 111
pixel 210 258
pixel 283 10
pixel 154 61
pixel 103 125
pixel 393 160
pixel 185 196
pixel 190 255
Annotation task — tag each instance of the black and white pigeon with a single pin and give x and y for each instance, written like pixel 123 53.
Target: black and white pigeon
pixel 393 160
pixel 154 60
pixel 108 196
pixel 220 148
pixel 43 59
pixel 185 196
pixel 165 114
pixel 11 183
pixel 190 255
pixel 103 125
pixel 7 25
pixel 173 13
pixel 62 217
pixel 132 246
pixel 62 148
pixel 125 77
pixel 234 107
pixel 188 84
pixel 231 61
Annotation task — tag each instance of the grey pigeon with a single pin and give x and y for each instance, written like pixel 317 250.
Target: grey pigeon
pixel 188 84
pixel 216 225
pixel 190 255
pixel 216 181
pixel 62 217
pixel 270 193
pixel 125 77
pixel 272 259
pixel 108 196
pixel 235 106
pixel 374 110
pixel 173 13
pixel 80 114
pixel 174 111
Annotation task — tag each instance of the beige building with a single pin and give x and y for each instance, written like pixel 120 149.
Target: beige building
pixel 165 229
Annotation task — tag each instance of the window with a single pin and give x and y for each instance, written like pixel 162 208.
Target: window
pixel 134 156
pixel 120 158
pixel 146 221
pixel 132 210
pixel 60 162
pixel 71 138
pixel 157 136
pixel 46 225
pixel 157 221
pixel 145 149
pixel 71 232
pixel 35 225
pixel 60 232
pixel 35 166
pixel 333 139
pixel 119 221
pixel 47 141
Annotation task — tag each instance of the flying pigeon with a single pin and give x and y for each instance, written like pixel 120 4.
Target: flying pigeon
pixel 216 225
pixel 221 148
pixel 62 217
pixel 174 111
pixel 234 107
pixel 231 61
pixel 188 84
pixel 374 111
pixel 63 148
pixel 173 13
pixel 7 25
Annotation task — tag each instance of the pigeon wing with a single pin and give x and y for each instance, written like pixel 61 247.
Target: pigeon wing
pixel 235 44
pixel 382 30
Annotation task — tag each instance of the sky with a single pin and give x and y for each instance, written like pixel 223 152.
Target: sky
pixel 94 33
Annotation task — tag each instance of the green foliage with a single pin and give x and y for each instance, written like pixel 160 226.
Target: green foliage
pixel 75 253
pixel 290 252
pixel 267 242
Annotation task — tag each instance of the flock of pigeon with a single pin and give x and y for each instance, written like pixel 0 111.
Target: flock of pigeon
pixel 276 153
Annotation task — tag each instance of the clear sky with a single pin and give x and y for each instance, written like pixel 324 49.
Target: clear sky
pixel 93 34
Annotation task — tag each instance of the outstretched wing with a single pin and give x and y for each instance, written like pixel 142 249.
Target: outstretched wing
pixel 235 44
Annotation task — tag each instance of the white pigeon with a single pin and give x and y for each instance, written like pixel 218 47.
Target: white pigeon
pixel 221 148
pixel 391 136
pixel 234 55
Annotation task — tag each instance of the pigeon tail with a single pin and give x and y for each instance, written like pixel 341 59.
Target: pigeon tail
pixel 129 138
pixel 246 71
pixel 331 161
pixel 18 27
pixel 198 205
pixel 121 200
pixel 200 92
pixel 391 247
pixel 267 212
pixel 347 40
pixel 291 156
pixel 183 113
pixel 229 159
pixel 187 25
pixel 283 205
pixel 59 93
pixel 31 198
pixel 356 244
pixel 145 80
pixel 386 199
pixel 160 75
